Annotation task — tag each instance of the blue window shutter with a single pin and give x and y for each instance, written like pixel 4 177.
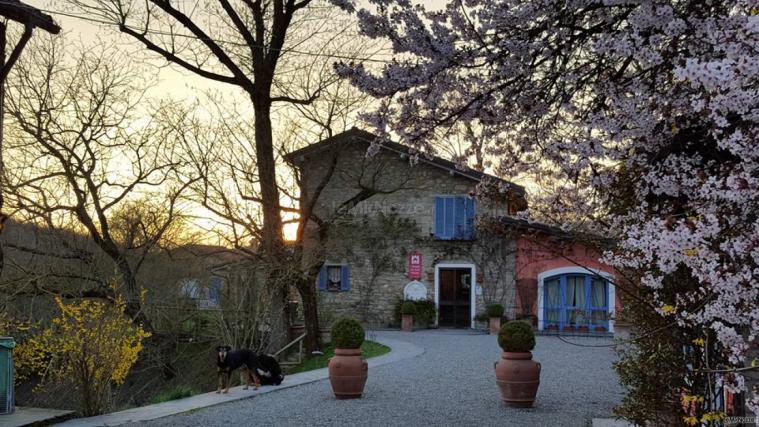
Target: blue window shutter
pixel 450 212
pixel 439 217
pixel 345 280
pixel 321 282
pixel 470 214
pixel 459 217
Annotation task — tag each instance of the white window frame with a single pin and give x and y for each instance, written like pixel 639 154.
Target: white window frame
pixel 576 270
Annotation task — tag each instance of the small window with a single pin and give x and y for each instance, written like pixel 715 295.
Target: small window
pixel 454 218
pixel 334 278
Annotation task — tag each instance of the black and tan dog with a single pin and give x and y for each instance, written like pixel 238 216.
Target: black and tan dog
pixel 270 372
pixel 227 360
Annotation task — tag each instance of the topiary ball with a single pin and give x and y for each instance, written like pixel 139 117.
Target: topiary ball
pixel 516 336
pixel 347 333
pixel 408 307
pixel 494 310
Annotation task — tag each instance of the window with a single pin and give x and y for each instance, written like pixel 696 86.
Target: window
pixel 454 218
pixel 334 278
pixel 575 301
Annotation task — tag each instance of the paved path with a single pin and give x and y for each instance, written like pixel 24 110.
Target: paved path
pixel 400 350
pixel 452 383
pixel 24 416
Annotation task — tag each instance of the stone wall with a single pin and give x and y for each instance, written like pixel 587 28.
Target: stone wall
pixel 408 193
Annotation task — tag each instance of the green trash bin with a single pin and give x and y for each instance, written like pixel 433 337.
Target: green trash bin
pixel 6 374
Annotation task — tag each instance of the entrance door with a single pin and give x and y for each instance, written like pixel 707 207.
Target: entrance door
pixel 455 298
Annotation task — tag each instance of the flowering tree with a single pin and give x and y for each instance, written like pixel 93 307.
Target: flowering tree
pixel 91 345
pixel 645 112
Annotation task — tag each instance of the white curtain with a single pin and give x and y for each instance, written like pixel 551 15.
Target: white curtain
pixel 576 298
pixel 598 299
pixel 576 291
pixel 552 292
pixel 598 293
pixel 334 275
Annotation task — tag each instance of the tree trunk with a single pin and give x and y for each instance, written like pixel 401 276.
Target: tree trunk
pixel 3 217
pixel 307 293
pixel 272 224
pixel 133 307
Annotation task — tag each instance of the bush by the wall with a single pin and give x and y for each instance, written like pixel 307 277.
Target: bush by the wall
pixel 424 313
pixel 408 307
pixel 494 310
pixel 481 317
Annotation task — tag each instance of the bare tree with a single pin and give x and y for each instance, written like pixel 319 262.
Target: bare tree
pixel 263 48
pixel 244 43
pixel 83 157
pixel 222 152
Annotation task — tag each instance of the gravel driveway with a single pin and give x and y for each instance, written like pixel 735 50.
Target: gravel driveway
pixel 452 383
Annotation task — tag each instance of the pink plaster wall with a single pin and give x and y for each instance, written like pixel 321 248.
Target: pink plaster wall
pixel 538 254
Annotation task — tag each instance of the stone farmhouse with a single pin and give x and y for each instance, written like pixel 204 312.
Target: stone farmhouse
pixel 389 226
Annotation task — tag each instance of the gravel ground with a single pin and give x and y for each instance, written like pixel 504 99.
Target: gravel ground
pixel 452 383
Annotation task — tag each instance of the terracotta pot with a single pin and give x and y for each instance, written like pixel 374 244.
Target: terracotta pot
pixel 347 373
pixel 600 329
pixel 569 329
pixel 324 334
pixel 518 377
pixel 583 329
pixel 495 325
pixel 552 327
pixel 407 322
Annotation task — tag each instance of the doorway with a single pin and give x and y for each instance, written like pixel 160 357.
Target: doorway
pixel 454 296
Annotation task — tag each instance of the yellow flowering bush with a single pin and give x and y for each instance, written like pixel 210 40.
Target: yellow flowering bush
pixel 92 344
pixel 28 358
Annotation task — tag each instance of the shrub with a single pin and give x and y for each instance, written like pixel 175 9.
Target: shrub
pixel 347 333
pixel 654 371
pixel 424 312
pixel 494 310
pixel 516 336
pixel 92 344
pixel 481 317
pixel 408 307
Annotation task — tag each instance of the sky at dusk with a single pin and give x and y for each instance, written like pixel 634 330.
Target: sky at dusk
pixel 171 81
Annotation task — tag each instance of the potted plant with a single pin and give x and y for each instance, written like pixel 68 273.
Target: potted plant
pixel 517 375
pixel 552 327
pixel 582 324
pixel 347 369
pixel 407 316
pixel 481 321
pixel 600 328
pixel 495 313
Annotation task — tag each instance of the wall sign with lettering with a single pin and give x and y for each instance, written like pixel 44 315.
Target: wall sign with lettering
pixel 415 265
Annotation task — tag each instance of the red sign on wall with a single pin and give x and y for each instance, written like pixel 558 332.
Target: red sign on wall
pixel 415 265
